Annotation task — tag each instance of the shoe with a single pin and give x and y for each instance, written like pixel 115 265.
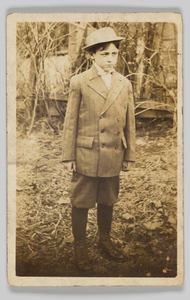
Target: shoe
pixel 81 255
pixel 107 247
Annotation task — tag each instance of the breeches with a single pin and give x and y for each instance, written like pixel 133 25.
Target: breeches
pixel 86 191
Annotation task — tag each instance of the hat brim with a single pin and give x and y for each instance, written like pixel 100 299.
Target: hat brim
pixel 87 48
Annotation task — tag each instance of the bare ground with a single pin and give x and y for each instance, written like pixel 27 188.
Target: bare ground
pixel 144 222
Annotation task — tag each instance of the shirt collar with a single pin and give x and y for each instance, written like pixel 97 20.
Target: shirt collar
pixel 101 71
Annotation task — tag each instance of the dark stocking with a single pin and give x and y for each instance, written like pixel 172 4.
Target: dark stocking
pixel 104 217
pixel 79 221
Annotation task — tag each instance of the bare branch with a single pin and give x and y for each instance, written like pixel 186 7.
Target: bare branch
pixel 30 51
pixel 76 72
pixel 36 40
pixel 34 111
pixel 77 25
pixel 61 40
pixel 170 108
pixel 88 24
pixel 126 63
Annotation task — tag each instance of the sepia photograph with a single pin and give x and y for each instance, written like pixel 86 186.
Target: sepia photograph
pixel 95 147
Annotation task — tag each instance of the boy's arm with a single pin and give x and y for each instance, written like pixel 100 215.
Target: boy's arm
pixel 71 121
pixel 129 155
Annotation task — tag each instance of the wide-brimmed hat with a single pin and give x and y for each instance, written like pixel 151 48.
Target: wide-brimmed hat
pixel 103 35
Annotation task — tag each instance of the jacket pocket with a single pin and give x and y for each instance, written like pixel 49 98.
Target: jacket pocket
pixel 124 141
pixel 85 141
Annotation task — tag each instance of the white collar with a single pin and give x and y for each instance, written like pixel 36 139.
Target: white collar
pixel 101 71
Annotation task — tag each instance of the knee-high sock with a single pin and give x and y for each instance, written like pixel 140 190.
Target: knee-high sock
pixel 79 221
pixel 104 218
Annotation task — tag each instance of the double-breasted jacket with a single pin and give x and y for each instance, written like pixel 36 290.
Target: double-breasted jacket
pixel 99 127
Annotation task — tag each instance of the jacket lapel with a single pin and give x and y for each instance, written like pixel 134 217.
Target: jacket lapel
pixel 116 87
pixel 96 83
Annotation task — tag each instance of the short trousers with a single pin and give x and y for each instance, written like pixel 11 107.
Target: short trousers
pixel 85 191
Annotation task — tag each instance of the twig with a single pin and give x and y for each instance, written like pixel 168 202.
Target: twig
pixel 24 43
pixel 156 105
pixel 115 238
pixel 149 59
pixel 34 110
pixel 36 40
pixel 140 112
pixel 126 63
pixel 77 25
pixel 20 237
pixel 57 107
pixel 90 25
pixel 30 248
pixel 54 232
pixel 63 36
pixel 80 67
pixel 149 49
pixel 95 235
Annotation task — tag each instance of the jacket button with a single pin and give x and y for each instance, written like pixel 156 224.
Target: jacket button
pixel 118 133
pixel 102 131
pixel 101 117
pixel 103 145
pixel 116 147
pixel 118 119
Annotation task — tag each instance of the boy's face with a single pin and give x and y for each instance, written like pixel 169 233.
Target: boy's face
pixel 106 59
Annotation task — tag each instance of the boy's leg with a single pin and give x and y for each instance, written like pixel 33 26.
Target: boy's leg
pixel 82 193
pixel 108 189
pixel 104 218
pixel 79 221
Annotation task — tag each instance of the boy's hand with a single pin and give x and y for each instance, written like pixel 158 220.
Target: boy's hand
pixel 127 165
pixel 70 166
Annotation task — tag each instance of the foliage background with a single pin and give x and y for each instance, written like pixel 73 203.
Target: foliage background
pixel 49 54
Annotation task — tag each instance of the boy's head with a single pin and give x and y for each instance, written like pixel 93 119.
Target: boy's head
pixel 103 46
pixel 105 55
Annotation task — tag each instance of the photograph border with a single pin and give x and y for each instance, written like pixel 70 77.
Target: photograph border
pixel 14 280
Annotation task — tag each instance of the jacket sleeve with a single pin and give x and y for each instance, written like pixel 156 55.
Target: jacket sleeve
pixel 130 127
pixel 71 121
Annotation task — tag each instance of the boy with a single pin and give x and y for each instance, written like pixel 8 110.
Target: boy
pixel 98 141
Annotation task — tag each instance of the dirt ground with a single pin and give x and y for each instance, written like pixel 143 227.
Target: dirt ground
pixel 145 217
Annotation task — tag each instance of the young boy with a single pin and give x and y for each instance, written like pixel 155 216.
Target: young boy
pixel 98 141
